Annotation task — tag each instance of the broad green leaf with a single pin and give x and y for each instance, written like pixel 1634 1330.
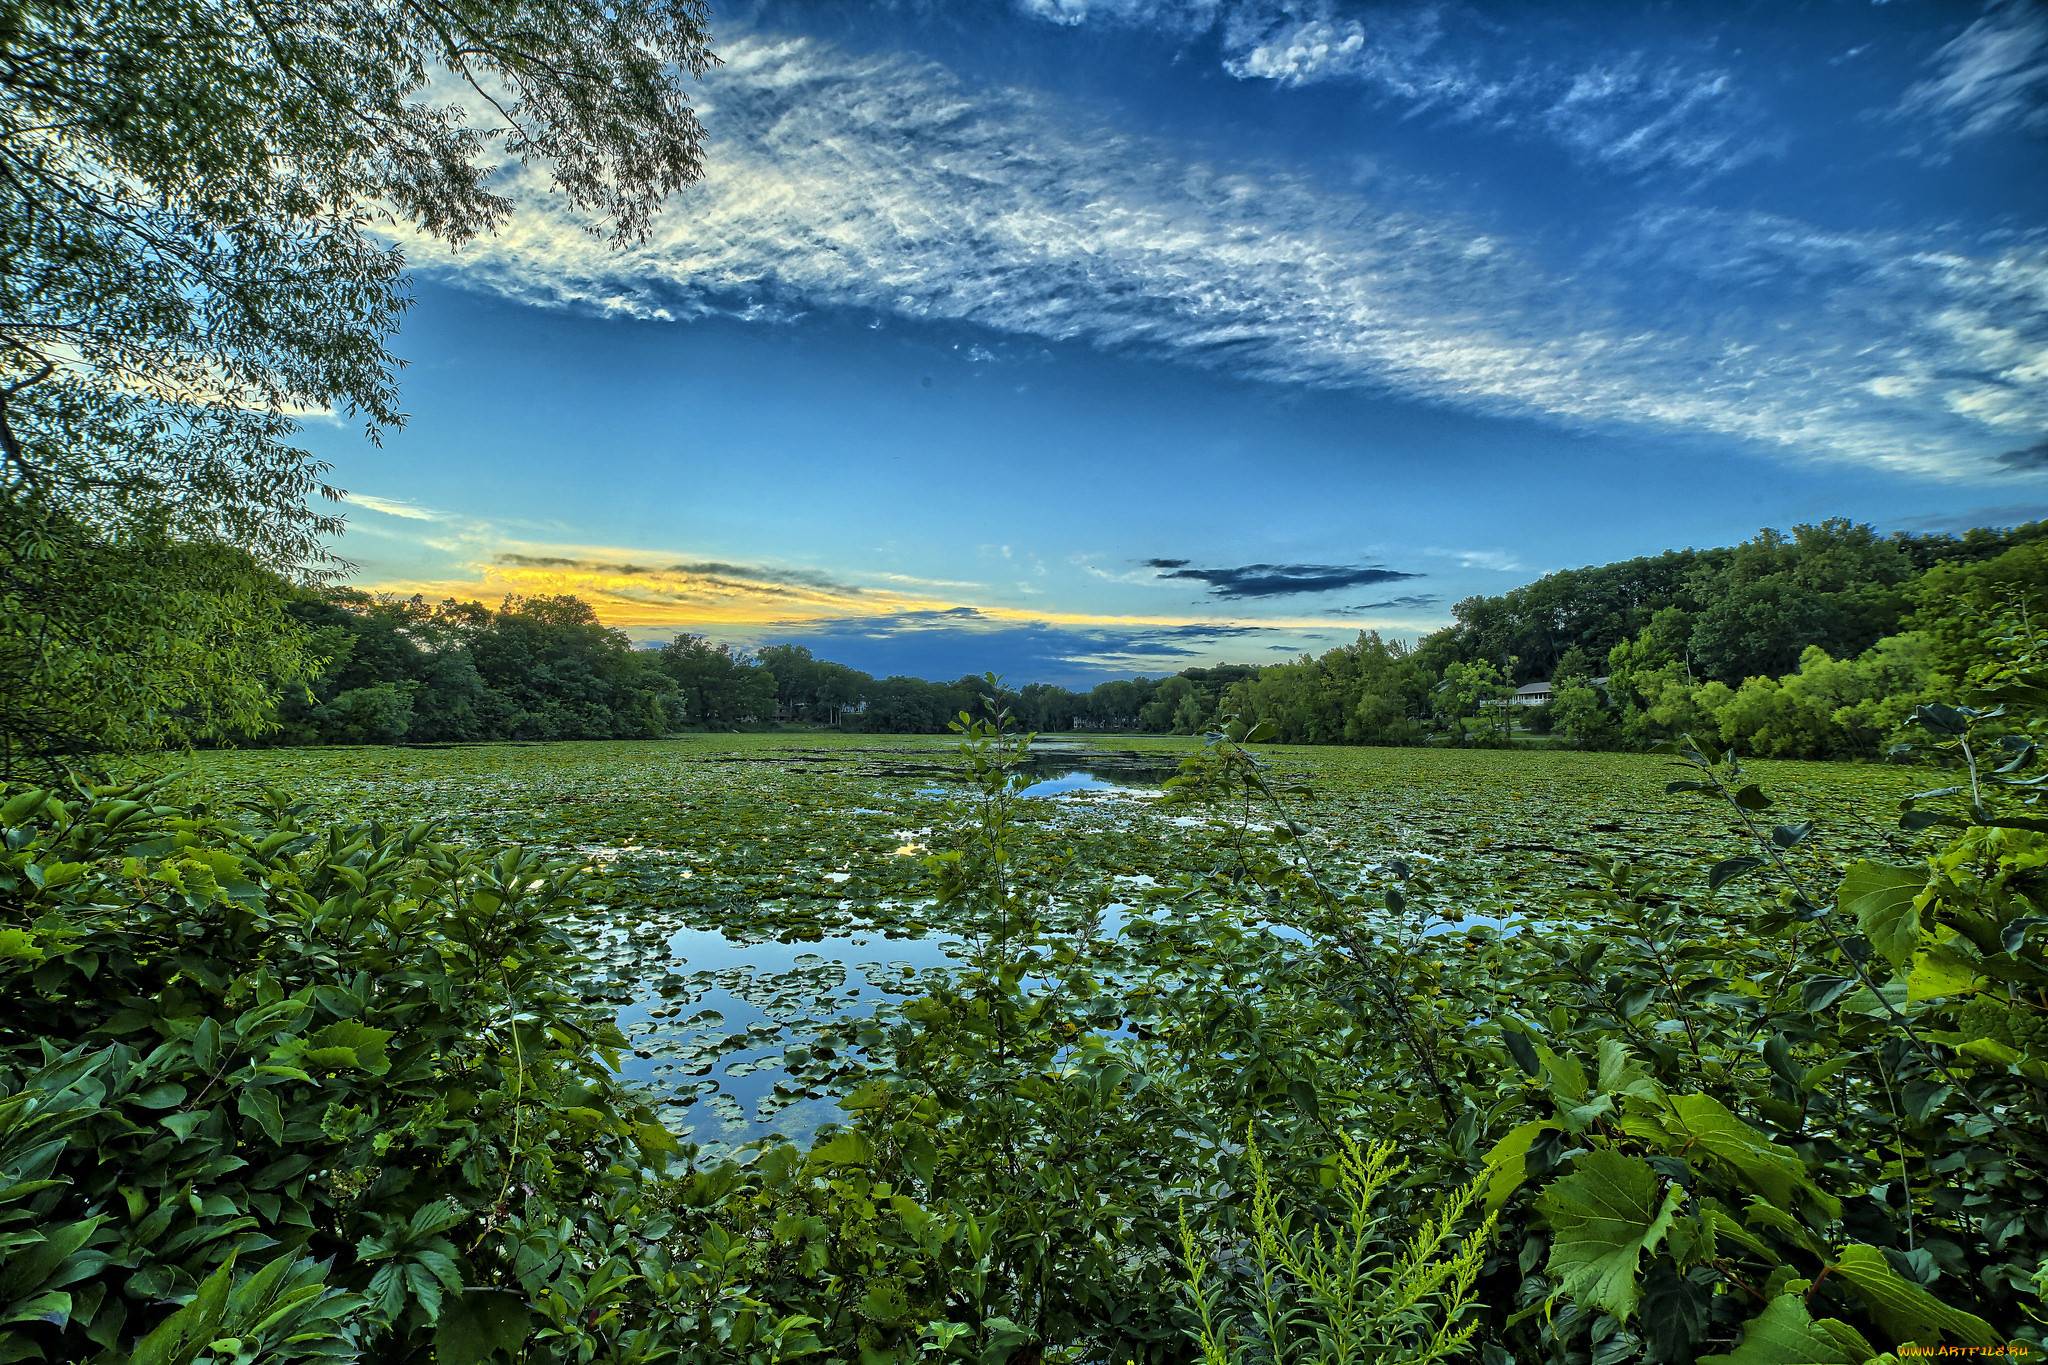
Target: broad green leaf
pixel 1816 993
pixel 1939 972
pixel 1567 1078
pixel 164 1095
pixel 1881 899
pixel 847 1148
pixel 183 1124
pixel 1903 1308
pixel 179 1338
pixel 1990 1050
pixel 1725 1226
pixel 1730 868
pixel 1507 1165
pixel 1700 1124
pixel 1522 1051
pixel 478 1323
pixel 438 1216
pixel 364 1045
pixel 1622 1074
pixel 1784 1334
pixel 22 805
pixel 867 1095
pixel 52 1306
pixel 1603 1217
pixel 1854 1343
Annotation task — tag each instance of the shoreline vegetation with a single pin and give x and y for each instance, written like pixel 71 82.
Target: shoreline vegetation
pixel 1816 644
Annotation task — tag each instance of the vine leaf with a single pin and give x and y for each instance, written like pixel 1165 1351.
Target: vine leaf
pixel 1784 1332
pixel 1699 1125
pixel 1604 1216
pixel 1943 970
pixel 1881 898
pixel 1507 1165
pixel 1903 1308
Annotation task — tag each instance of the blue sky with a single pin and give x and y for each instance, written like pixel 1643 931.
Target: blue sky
pixel 1073 338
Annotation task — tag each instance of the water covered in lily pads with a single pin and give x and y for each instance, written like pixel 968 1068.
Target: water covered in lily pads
pixel 758 897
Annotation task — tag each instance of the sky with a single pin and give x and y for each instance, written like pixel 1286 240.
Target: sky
pixel 1076 338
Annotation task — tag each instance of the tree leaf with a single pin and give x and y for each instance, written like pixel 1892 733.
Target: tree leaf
pixel 1903 1308
pixel 1507 1165
pixel 1520 1049
pixel 848 1148
pixel 479 1323
pixel 1604 1216
pixel 1784 1334
pixel 1816 993
pixel 179 1338
pixel 1622 1074
pixel 364 1044
pixel 1881 898
pixel 1942 971
pixel 1730 868
pixel 1701 1124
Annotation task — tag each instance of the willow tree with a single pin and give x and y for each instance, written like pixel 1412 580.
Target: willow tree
pixel 201 205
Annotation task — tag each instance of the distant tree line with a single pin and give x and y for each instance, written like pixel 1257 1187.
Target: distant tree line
pixel 1812 644
pixel 405 670
pixel 1809 645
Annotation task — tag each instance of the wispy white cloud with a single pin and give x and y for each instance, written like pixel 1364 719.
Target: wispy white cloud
pixel 1991 77
pixel 882 183
pixel 1500 561
pixel 1623 110
pixel 391 507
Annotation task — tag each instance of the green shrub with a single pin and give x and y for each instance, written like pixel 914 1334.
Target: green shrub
pixel 347 1068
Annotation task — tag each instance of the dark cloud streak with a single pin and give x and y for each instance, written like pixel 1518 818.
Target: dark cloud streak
pixel 1279 580
pixel 2028 458
pixel 1428 599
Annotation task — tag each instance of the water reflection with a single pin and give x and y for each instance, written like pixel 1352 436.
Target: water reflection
pixel 715 1030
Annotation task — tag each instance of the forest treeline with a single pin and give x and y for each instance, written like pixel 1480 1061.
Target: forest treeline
pixel 1813 644
pixel 543 668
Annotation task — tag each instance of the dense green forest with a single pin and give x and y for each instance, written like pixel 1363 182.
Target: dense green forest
pixel 1812 645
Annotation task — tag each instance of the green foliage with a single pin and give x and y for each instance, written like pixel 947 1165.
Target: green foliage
pixel 1764 645
pixel 1793 646
pixel 537 668
pixel 1829 707
pixel 130 640
pixel 1582 713
pixel 182 274
pixel 195 248
pixel 720 684
pixel 307 1073
pixel 1339 1294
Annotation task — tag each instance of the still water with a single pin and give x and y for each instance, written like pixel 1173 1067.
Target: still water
pixel 723 1052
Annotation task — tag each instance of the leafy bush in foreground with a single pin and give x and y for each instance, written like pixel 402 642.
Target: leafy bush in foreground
pixel 251 1063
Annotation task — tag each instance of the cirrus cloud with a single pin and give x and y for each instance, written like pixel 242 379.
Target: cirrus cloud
pixel 883 184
